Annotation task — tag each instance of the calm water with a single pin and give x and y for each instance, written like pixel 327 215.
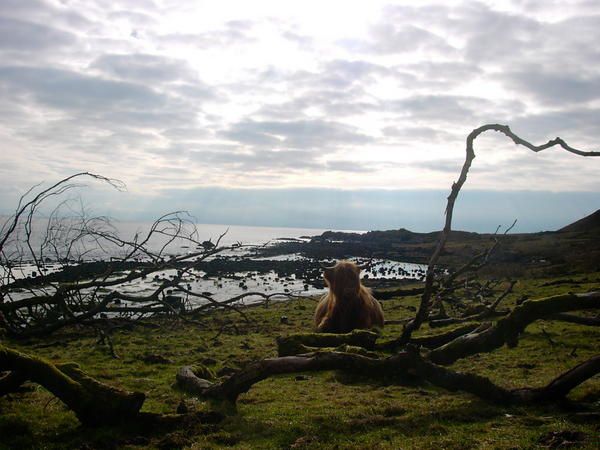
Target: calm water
pixel 246 235
pixel 223 287
pixel 235 233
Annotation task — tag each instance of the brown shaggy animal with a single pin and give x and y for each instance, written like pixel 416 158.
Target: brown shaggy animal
pixel 348 304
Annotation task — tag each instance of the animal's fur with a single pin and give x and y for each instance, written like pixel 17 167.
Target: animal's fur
pixel 348 304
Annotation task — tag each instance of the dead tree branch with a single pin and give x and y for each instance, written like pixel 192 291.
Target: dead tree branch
pixel 93 402
pixel 398 366
pixel 508 329
pixel 80 290
pixel 423 310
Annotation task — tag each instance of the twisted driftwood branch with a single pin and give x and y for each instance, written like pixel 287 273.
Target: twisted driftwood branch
pixel 423 310
pixel 397 366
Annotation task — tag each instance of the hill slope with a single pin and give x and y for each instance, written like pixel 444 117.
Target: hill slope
pixel 588 223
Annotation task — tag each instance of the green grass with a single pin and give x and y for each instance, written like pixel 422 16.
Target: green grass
pixel 320 410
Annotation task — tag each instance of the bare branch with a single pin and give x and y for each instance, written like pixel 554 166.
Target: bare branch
pixel 423 310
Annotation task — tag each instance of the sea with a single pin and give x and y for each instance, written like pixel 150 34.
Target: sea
pixel 218 288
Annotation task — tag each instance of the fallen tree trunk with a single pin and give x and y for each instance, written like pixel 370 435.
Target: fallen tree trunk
pixel 301 343
pixel 434 341
pixel 397 366
pixel 93 403
pixel 580 320
pixel 487 314
pixel 508 329
pixel 307 342
pixel 386 295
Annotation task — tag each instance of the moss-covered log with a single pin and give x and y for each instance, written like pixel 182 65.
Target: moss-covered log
pixel 433 341
pixel 397 367
pixel 508 329
pixel 394 293
pixel 297 344
pixel 93 403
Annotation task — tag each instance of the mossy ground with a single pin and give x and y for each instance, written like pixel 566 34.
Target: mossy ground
pixel 316 410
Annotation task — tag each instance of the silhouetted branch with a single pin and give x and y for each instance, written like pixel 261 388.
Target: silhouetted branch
pixel 423 310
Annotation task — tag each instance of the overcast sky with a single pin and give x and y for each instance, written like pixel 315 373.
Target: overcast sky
pixel 260 112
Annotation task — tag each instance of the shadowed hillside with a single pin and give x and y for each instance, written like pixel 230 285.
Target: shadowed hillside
pixel 574 248
pixel 588 223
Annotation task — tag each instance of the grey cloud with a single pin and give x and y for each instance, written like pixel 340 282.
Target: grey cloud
pixel 391 38
pixel 333 102
pixel 44 12
pixel 454 109
pixel 85 113
pixel 439 74
pixel 232 33
pixel 575 125
pixel 545 5
pixel 186 133
pixel 157 119
pixel 338 74
pixel 419 133
pixel 492 35
pixel 288 110
pixel 301 40
pixel 350 166
pixel 197 91
pixel 311 133
pixel 342 73
pixel 143 67
pixel 72 90
pixel 541 171
pixel 137 18
pixel 291 160
pixel 20 35
pixel 288 160
pixel 244 134
pixel 403 29
pixel 437 107
pixel 559 88
pixel 510 40
pixel 348 106
pixel 559 53
pixel 338 87
pixel 440 165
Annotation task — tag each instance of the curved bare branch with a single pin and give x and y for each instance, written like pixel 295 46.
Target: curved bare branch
pixel 423 310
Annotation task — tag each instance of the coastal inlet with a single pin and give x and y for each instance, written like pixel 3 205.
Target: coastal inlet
pixel 220 277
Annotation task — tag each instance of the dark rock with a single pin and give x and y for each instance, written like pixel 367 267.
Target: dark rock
pixel 182 407
pixel 155 358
